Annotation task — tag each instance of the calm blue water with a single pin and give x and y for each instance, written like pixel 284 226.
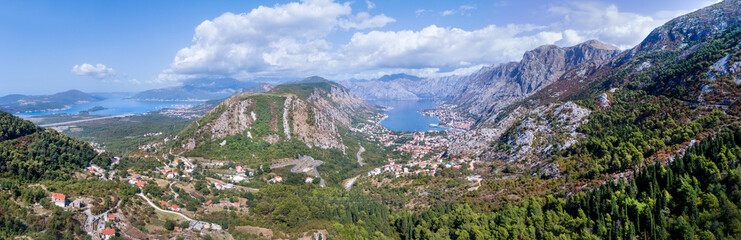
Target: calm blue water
pixel 116 105
pixel 406 116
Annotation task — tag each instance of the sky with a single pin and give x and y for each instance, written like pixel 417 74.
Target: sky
pixel 135 45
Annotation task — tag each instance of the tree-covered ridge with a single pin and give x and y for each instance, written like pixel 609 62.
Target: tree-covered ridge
pixel 635 127
pixel 694 197
pixel 34 153
pixel 12 127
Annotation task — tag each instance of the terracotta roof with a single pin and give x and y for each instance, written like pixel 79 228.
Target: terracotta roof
pixel 111 216
pixel 163 202
pixel 58 196
pixel 108 231
pixel 208 203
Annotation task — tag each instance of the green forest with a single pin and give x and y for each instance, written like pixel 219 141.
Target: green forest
pixel 31 153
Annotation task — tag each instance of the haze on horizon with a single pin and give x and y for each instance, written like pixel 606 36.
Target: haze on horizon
pixel 94 46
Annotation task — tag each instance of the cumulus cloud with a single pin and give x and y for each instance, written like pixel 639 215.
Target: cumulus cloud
pixel 590 20
pixel 440 47
pixel 267 41
pixel 98 71
pixel 290 40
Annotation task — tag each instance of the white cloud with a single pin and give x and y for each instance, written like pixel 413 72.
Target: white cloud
pixel 445 48
pixel 291 41
pixel 267 41
pixel 98 71
pixel 468 7
pixel 364 20
pixel 370 4
pixel 589 20
pixel 463 10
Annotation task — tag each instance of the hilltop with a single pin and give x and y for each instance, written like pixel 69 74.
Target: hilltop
pixel 308 117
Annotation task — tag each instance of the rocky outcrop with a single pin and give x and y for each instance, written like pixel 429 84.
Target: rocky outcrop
pixel 496 87
pixel 551 75
pixel 529 132
pixel 312 112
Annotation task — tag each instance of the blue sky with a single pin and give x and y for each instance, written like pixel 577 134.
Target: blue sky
pixel 52 46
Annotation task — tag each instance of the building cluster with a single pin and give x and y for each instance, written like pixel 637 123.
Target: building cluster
pixel 450 117
pixel 137 180
pixel 420 167
pixel 423 144
pixel 184 111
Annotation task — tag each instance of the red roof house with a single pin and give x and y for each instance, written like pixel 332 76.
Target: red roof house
pixel 108 232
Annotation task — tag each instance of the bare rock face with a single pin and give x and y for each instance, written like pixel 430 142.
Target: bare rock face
pixel 310 112
pixel 528 132
pixel 496 87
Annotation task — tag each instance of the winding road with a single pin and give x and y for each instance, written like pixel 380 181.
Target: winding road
pixel 360 159
pixel 162 210
pixel 301 165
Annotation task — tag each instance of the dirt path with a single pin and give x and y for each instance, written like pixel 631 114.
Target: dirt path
pixel 351 182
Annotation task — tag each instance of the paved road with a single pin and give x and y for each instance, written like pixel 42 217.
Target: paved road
pixel 86 120
pixel 360 159
pixel 306 162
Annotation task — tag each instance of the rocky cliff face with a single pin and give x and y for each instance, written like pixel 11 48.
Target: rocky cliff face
pixel 549 77
pixel 312 112
pixel 495 87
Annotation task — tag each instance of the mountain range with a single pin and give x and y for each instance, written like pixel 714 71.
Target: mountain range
pixel 195 90
pixel 17 103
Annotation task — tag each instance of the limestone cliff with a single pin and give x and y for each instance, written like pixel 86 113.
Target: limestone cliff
pixel 311 112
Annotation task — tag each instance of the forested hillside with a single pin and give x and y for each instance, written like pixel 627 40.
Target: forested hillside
pixel 30 153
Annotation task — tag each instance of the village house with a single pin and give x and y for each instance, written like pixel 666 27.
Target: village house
pixel 110 217
pixel 276 179
pixel 175 208
pixel 108 233
pixel 59 199
pixel 309 180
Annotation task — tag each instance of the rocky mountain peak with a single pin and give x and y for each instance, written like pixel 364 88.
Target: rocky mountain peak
pixel 494 87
